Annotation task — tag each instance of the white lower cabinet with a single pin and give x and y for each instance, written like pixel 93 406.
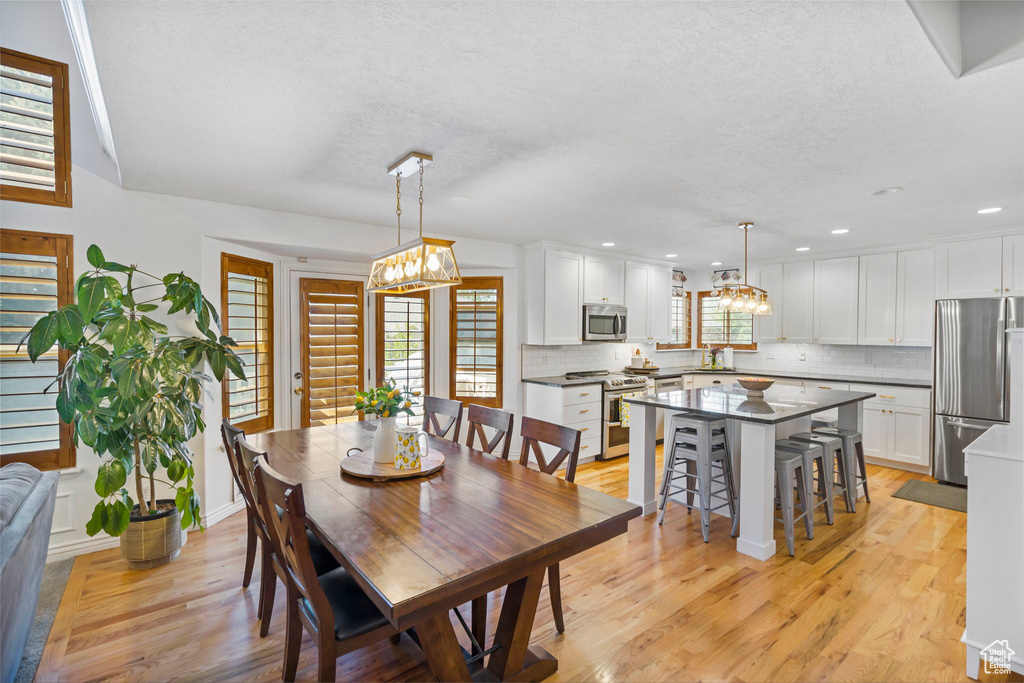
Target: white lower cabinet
pixel 897 426
pixel 577 406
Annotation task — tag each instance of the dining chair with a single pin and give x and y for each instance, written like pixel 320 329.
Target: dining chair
pixel 228 433
pixel 479 417
pixel 333 609
pixel 271 566
pixel 436 410
pixel 567 440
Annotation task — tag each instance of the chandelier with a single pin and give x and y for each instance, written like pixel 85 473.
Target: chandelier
pixel 423 263
pixel 743 298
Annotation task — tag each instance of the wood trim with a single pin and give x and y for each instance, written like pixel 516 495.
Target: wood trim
pixel 700 326
pixel 478 283
pixel 379 327
pixel 17 242
pixel 306 287
pixel 231 263
pixel 689 319
pixel 58 71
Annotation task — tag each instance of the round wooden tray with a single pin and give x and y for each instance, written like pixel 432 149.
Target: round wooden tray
pixel 643 371
pixel 362 465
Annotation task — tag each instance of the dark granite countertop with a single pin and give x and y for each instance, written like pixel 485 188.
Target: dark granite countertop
pixel 560 381
pixel 780 402
pixel 678 371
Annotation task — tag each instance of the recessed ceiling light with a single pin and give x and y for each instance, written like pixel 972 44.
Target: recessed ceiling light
pixel 803 248
pixel 460 198
pixel 994 209
pixel 840 231
pixel 716 263
pixel 671 255
pixel 607 244
pixel 887 190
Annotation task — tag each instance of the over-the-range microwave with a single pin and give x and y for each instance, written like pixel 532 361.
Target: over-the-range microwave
pixel 604 323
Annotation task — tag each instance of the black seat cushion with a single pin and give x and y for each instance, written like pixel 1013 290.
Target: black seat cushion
pixel 354 613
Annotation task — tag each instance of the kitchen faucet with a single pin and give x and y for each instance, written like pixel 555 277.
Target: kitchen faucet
pixel 705 348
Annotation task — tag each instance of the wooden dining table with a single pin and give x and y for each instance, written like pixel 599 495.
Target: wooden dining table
pixel 420 547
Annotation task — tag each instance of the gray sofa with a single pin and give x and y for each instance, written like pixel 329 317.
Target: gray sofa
pixel 27 497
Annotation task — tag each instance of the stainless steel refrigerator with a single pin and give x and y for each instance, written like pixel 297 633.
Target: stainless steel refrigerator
pixel 972 375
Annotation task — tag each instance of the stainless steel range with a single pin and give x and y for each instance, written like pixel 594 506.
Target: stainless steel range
pixel 613 387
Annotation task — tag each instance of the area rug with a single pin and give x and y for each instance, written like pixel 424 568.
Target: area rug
pixel 55 580
pixel 931 493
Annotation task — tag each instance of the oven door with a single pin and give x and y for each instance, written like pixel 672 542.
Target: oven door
pixel 604 323
pixel 616 437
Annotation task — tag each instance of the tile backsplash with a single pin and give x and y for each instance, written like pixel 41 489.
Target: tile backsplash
pixel 883 362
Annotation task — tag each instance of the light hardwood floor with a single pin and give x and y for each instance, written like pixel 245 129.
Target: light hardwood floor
pixel 879 596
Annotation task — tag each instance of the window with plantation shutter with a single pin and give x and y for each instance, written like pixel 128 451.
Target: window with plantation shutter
pixel 247 312
pixel 723 327
pixel 680 311
pixel 35 141
pixel 475 341
pixel 403 341
pixel 35 278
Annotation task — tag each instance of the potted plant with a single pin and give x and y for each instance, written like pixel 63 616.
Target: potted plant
pixel 133 393
pixel 386 402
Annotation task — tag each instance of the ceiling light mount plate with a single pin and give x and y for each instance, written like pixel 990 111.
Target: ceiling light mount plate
pixel 409 165
pixel 887 190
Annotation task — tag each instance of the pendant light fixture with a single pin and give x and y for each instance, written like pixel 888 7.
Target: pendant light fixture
pixel 423 263
pixel 743 298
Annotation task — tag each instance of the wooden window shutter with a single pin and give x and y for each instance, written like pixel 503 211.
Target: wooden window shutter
pixel 35 130
pixel 35 278
pixel 403 341
pixel 723 328
pixel 475 341
pixel 247 312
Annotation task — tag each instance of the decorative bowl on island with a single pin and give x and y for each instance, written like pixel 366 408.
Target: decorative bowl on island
pixel 755 386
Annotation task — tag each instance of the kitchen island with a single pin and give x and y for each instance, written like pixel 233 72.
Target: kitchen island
pixel 783 411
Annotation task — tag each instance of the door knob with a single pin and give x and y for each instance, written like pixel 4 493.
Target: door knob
pixel 297 390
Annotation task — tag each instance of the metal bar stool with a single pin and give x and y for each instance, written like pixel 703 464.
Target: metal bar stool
pixel 699 444
pixel 789 471
pixel 813 453
pixel 836 458
pixel 853 453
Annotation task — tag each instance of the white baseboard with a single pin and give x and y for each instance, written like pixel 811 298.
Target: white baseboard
pixel 63 551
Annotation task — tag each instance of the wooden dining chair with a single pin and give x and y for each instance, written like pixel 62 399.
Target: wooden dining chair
pixel 333 609
pixel 437 410
pixel 271 567
pixel 567 441
pixel 480 417
pixel 228 433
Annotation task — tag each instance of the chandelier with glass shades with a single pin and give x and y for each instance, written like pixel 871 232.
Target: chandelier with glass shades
pixel 423 263
pixel 743 298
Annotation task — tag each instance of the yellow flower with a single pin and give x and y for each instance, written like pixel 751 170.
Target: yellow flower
pixel 407 404
pixel 415 393
pixel 385 413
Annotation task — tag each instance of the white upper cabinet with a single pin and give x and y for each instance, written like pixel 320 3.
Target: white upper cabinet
pixel 877 319
pixel 768 328
pixel 648 299
pixel 554 297
pixel 603 280
pixel 638 285
pixel 835 301
pixel 1013 265
pixel 798 302
pixel 915 297
pixel 970 269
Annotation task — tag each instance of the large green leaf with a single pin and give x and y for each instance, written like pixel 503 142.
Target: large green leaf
pixel 176 470
pixel 117 333
pixel 87 429
pixel 65 408
pixel 234 364
pixel 70 324
pixel 99 516
pixel 151 455
pixel 43 336
pixel 95 256
pixel 110 477
pixel 217 363
pixel 116 520
pixel 91 294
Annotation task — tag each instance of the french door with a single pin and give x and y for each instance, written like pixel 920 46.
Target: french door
pixel 331 350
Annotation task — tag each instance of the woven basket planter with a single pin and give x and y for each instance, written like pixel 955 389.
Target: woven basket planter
pixel 153 540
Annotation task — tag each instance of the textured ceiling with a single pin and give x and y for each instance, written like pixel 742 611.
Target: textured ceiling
pixel 652 125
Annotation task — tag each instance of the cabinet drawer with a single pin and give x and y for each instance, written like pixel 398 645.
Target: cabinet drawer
pixel 896 396
pixel 816 384
pixel 581 412
pixel 583 394
pixel 589 428
pixel 590 446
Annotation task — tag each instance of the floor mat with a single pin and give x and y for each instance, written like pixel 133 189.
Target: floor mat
pixel 931 493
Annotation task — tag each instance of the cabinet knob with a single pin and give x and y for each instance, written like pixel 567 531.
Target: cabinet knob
pixel 899 340
pixel 783 339
pixel 585 393
pixel 584 411
pixel 996 289
pixel 890 338
pixel 1007 289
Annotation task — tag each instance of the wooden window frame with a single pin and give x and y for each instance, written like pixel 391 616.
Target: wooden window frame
pixel 232 263
pixel 65 455
pixel 752 346
pixel 379 351
pixel 487 282
pixel 58 71
pixel 672 346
